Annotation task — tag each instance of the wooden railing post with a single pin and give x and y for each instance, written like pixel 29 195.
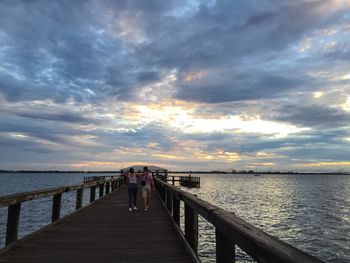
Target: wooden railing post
pixel 79 202
pixel 191 227
pixel 176 210
pixel 173 180
pixel 101 187
pixel 225 250
pixel 56 207
pixel 12 223
pixel 92 193
pixel 107 187
pixel 113 185
pixel 169 201
pixel 162 192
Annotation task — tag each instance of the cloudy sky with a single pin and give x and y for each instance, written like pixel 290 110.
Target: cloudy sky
pixel 198 85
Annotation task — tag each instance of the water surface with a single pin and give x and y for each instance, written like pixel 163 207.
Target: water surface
pixel 311 212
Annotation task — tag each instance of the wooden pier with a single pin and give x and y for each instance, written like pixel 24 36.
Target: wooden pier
pixel 105 231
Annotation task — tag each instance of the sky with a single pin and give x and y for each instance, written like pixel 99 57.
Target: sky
pixel 185 85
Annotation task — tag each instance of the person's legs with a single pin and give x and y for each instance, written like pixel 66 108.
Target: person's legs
pixel 135 196
pixel 145 197
pixel 130 193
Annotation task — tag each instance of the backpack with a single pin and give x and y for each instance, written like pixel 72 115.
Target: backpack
pixel 143 181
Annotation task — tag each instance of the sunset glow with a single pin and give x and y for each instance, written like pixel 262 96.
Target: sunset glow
pixel 110 84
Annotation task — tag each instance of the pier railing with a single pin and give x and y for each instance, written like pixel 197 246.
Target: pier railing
pixel 188 181
pixel 230 230
pixel 14 201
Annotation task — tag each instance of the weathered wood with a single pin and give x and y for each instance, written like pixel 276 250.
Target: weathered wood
pixel 56 207
pixel 169 201
pixel 79 202
pixel 191 227
pixel 225 250
pixel 163 194
pixel 27 196
pixel 13 214
pixel 106 232
pixel 176 210
pixel 256 243
pixel 92 193
pixel 107 188
pixel 100 192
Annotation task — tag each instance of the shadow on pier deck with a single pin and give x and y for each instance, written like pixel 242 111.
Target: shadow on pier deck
pixel 106 232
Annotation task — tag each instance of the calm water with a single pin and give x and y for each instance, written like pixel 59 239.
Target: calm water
pixel 311 212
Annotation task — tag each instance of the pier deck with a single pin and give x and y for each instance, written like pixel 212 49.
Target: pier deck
pixel 106 232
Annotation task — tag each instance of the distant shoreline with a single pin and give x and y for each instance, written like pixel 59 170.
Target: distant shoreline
pixel 181 172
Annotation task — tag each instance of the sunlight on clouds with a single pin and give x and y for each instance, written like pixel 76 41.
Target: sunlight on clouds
pixel 165 156
pixel 194 76
pixel 18 136
pixel 29 138
pixel 183 119
pixel 325 164
pixel 345 77
pixel 265 155
pixel 263 164
pixel 159 90
pixel 95 164
pixel 83 140
pixel 346 105
pixel 318 94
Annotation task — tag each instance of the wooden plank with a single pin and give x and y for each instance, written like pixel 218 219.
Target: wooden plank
pixel 106 232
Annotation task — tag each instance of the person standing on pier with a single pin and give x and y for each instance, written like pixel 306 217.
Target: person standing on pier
pixel 132 189
pixel 147 186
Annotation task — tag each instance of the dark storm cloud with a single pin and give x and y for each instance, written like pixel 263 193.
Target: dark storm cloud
pixel 239 87
pixel 60 49
pixel 64 117
pixel 313 116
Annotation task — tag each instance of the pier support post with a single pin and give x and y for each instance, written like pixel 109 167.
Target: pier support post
pixel 92 193
pixel 107 187
pixel 191 227
pixel 225 250
pixel 163 193
pixel 12 223
pixel 56 207
pixel 169 200
pixel 176 210
pixel 79 202
pixel 101 187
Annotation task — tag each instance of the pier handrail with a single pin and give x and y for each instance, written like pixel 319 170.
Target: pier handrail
pixel 189 181
pixel 230 230
pixel 14 201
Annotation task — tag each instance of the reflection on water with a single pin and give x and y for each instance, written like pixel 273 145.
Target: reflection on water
pixel 311 212
pixel 307 211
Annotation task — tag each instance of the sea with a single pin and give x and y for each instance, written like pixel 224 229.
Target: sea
pixel 310 212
